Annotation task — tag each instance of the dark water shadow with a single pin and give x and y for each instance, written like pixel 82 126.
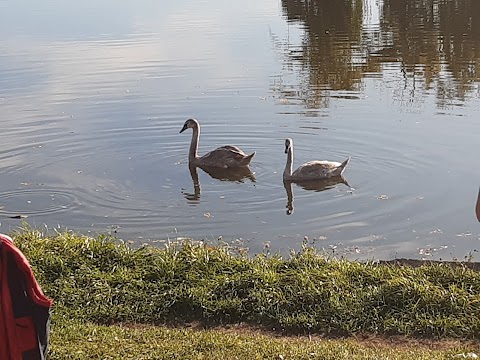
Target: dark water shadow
pixel 315 185
pixel 477 207
pixel 236 174
pixel 239 174
pixel 193 197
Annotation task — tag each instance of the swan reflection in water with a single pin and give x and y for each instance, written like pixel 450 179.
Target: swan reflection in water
pixel 477 208
pixel 314 185
pixel 238 174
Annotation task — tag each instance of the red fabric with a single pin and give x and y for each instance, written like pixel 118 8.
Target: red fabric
pixel 16 335
pixel 26 338
pixel 4 353
pixel 34 290
pixel 11 351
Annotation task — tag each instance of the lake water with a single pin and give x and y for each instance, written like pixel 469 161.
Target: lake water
pixel 93 95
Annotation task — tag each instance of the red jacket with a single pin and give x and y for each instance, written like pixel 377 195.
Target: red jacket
pixel 24 309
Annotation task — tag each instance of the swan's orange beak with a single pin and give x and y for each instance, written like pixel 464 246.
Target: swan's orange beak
pixel 477 209
pixel 183 129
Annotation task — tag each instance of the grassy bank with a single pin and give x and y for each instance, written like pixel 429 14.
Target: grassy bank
pixel 97 282
pixel 75 340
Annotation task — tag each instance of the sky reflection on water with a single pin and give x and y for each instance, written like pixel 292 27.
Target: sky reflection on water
pixel 92 101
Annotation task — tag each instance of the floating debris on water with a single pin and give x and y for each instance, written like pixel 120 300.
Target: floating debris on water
pixel 425 251
pixel 18 216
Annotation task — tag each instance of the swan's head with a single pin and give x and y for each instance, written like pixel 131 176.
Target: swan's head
pixel 190 123
pixel 288 145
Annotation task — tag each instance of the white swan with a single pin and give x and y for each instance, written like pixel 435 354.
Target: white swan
pixel 312 170
pixel 224 157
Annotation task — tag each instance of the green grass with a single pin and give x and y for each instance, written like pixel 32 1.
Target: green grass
pixel 102 282
pixel 73 340
pixel 99 284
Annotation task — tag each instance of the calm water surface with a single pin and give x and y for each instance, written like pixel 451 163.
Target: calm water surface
pixel 94 93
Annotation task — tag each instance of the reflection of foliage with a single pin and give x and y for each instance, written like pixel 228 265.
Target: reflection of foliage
pixel 434 43
pixel 332 28
pixel 443 37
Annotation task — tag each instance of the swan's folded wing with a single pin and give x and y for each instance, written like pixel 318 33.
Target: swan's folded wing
pixel 315 169
pixel 225 156
pixel 231 148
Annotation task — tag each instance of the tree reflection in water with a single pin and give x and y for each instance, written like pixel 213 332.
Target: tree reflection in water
pixel 433 44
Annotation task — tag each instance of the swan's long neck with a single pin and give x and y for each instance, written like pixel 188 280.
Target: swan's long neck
pixel 288 166
pixel 288 187
pixel 192 154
